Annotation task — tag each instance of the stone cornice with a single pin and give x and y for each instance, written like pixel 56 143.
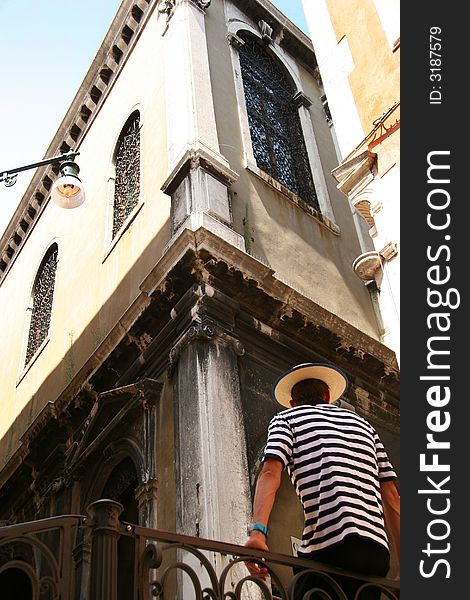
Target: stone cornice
pixel 355 173
pixel 203 241
pixel 194 157
pixel 206 253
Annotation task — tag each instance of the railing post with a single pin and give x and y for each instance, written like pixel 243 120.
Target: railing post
pixel 104 550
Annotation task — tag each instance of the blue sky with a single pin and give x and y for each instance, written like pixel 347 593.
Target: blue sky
pixel 47 47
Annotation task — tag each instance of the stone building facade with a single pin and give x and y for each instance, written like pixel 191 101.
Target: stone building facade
pixel 213 251
pixel 357 46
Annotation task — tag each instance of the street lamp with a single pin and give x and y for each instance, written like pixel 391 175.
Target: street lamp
pixel 67 190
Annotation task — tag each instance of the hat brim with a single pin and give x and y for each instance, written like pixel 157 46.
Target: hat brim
pixel 334 378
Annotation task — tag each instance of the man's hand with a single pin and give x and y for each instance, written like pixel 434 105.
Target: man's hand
pixel 257 541
pixel 267 485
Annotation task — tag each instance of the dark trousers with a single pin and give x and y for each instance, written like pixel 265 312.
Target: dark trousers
pixel 351 554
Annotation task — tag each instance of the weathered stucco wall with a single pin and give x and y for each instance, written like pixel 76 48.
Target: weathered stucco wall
pixel 96 280
pixel 303 252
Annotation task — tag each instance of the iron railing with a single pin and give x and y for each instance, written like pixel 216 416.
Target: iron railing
pixel 165 565
pixel 39 552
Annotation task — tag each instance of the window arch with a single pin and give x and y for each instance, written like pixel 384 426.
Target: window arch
pixel 42 297
pixel 127 171
pixel 276 132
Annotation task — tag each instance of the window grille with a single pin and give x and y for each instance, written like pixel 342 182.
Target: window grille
pixel 127 172
pixel 123 479
pixel 276 133
pixel 43 294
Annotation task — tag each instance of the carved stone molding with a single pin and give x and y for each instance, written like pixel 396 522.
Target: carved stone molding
pixel 301 99
pixel 367 265
pixel 202 4
pixel 167 7
pixel 205 330
pixel 105 418
pixel 354 177
pixel 209 315
pixel 199 189
pixel 234 40
pixel 146 493
pixel 389 251
pixel 199 157
pixel 266 31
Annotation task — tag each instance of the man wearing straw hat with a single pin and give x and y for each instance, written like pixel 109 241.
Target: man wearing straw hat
pixel 341 474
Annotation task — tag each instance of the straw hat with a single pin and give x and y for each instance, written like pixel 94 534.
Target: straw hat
pixel 334 378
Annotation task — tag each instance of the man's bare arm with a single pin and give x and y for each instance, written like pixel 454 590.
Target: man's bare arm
pixel 267 485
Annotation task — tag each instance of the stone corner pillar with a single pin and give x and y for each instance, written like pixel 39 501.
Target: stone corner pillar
pixel 213 492
pixel 199 176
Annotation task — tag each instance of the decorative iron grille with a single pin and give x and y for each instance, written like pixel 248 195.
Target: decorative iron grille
pixel 43 295
pixel 167 564
pixel 276 132
pixel 127 172
pixel 40 553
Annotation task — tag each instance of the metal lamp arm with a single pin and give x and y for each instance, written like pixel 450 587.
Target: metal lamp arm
pixel 5 175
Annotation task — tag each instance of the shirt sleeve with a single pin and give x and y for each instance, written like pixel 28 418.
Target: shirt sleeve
pixel 386 470
pixel 280 441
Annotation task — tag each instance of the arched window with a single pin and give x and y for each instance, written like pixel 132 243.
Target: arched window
pixel 43 294
pixel 276 133
pixel 127 171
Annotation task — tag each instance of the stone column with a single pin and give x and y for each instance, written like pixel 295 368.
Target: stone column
pixel 146 493
pixel 199 176
pixel 213 495
pixel 104 554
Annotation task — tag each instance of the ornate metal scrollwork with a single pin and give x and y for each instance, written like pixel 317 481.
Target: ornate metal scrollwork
pixel 42 304
pixel 215 570
pixel 276 132
pixel 10 180
pixel 127 178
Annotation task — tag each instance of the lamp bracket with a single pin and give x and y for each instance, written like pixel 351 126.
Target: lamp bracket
pixel 9 177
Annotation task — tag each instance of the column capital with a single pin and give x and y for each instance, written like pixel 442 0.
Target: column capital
pixel 202 4
pixel 168 6
pixel 205 314
pixel 207 330
pixel 194 157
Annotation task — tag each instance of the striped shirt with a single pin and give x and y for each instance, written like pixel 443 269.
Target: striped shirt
pixel 336 462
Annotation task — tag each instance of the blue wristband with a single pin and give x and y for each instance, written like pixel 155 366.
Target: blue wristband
pixel 257 526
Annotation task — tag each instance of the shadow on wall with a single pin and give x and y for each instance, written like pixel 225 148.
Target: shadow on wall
pixel 62 382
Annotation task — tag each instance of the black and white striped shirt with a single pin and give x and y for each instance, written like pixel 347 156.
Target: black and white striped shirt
pixel 336 462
